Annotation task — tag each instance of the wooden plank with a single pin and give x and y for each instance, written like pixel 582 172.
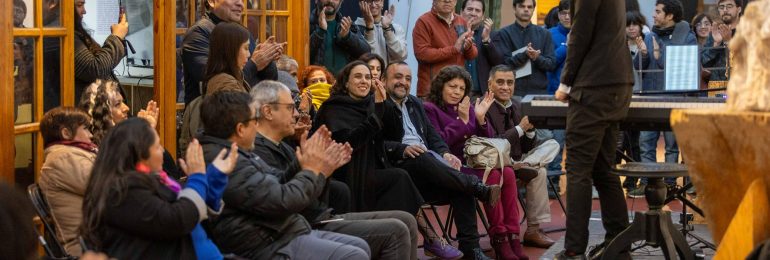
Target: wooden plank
pixel 725 152
pixel 6 92
pixel 165 71
pixel 749 227
pixel 68 56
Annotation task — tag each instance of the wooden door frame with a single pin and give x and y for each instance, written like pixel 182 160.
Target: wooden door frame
pixel 7 143
pixel 164 48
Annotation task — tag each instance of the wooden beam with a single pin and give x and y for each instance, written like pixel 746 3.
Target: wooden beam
pixel 165 71
pixel 68 56
pixel 6 92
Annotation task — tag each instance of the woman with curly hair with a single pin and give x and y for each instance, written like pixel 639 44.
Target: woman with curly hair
pixel 106 105
pixel 451 113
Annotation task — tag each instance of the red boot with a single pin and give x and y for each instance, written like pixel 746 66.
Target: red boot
pixel 503 248
pixel 513 239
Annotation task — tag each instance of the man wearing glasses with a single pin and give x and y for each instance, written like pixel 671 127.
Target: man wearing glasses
pixel 441 38
pixel 385 38
pixel 729 12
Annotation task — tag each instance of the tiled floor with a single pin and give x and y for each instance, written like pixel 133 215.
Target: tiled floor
pixel 558 220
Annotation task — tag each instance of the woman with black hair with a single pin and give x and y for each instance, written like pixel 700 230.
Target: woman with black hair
pixel 228 54
pixel 133 210
pixel 92 61
pixel 376 64
pixel 356 116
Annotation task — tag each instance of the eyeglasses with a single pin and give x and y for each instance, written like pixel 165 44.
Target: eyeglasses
pixel 289 106
pixel 725 7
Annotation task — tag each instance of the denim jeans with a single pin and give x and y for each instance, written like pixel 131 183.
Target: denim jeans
pixel 648 143
pixel 555 165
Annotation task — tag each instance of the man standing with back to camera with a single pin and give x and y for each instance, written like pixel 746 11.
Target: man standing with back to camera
pixel 597 82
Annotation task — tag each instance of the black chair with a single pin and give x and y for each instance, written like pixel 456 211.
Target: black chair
pixel 54 248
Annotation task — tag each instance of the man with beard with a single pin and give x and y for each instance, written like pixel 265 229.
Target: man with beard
pixel 473 12
pixel 441 38
pixel 385 38
pixel 334 41
pixel 195 48
pixel 433 168
pixel 729 12
pixel 539 49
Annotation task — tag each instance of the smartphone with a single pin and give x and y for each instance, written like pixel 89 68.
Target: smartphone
pixel 122 10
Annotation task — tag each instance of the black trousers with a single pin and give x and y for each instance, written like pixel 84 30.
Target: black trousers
pixel 592 128
pixel 438 184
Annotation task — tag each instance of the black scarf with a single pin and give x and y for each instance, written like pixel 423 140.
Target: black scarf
pixel 341 111
pixel 663 32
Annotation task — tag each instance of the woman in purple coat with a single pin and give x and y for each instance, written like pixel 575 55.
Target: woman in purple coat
pixel 450 111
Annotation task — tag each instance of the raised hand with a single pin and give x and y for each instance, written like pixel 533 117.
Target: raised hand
pixel 225 161
pixel 655 48
pixel 525 125
pixel 487 30
pixel 266 52
pixel 305 100
pixel 366 12
pixel 641 45
pixel 716 34
pixel 460 42
pixel 464 109
pixel 337 155
pixel 379 91
pixel 302 126
pixel 312 152
pixel 482 106
pixel 150 113
pixel 120 29
pixel 532 53
pixel 387 17
pixel 345 27
pixel 726 32
pixel 321 16
pixel 193 162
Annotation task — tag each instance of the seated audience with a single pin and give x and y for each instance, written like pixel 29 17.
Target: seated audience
pixel 376 64
pixel 228 54
pixel 334 39
pixel 133 210
pixel 451 113
pixel 355 116
pixel 390 234
pixel 507 122
pixel 434 170
pixel 260 219
pixel 68 158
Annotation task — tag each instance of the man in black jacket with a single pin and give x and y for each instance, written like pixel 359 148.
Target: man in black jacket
pixel 538 49
pixel 426 157
pixel 390 234
pixel 596 81
pixel 334 40
pixel 195 49
pixel 260 219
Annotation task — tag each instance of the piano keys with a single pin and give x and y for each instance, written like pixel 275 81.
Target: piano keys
pixel 645 113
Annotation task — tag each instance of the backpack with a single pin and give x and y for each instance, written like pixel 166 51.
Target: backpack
pixel 191 123
pixel 487 153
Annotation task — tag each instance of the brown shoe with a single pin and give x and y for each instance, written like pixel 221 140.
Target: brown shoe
pixel 537 238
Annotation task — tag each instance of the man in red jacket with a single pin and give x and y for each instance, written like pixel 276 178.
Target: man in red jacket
pixel 441 38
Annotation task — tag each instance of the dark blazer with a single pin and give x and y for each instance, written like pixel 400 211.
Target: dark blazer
pixel 424 128
pixel 513 37
pixel 259 216
pixel 149 222
pixel 488 57
pixel 598 51
pixel 281 157
pixel 504 121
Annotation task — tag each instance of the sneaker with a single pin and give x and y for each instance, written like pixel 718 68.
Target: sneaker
pixel 638 192
pixel 594 193
pixel 441 249
pixel 476 254
pixel 564 255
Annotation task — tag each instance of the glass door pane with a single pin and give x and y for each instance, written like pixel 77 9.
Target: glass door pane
pixel 23 79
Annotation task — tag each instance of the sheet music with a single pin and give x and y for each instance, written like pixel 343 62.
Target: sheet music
pixel 682 67
pixel 526 69
pixel 107 16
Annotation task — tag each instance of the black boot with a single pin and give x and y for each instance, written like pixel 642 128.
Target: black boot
pixel 487 193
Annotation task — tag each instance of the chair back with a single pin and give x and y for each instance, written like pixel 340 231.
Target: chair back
pixel 53 247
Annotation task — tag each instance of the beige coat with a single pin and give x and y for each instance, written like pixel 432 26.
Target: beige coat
pixel 63 181
pixel 225 82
